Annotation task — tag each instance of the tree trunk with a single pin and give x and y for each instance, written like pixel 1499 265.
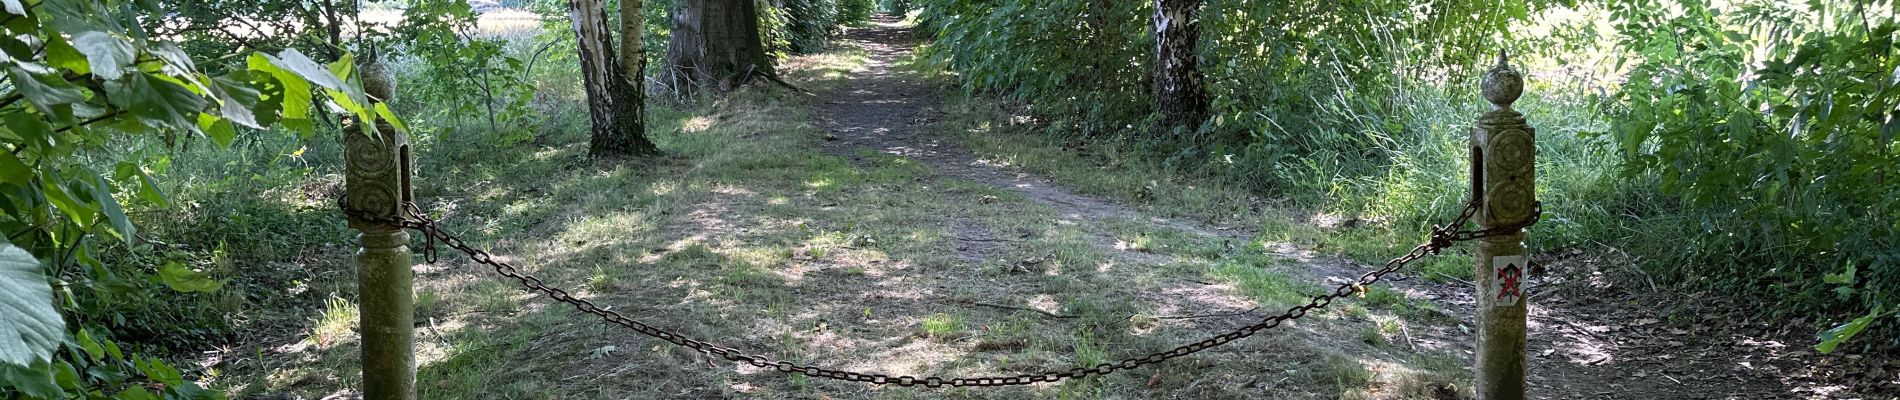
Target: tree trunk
pixel 715 44
pixel 632 94
pixel 633 45
pixel 613 104
pixel 1180 97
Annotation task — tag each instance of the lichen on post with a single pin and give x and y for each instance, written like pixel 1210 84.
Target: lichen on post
pixel 376 186
pixel 1503 180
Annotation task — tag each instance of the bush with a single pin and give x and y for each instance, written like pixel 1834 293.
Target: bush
pixel 810 24
pixel 1718 173
pixel 854 12
pixel 1782 164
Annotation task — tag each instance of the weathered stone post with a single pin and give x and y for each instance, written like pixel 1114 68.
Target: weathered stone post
pixel 1503 152
pixel 376 184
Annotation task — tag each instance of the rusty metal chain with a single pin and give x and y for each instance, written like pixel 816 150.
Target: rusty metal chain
pixel 1442 237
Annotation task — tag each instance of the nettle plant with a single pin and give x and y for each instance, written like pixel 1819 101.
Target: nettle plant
pixel 1779 119
pixel 80 76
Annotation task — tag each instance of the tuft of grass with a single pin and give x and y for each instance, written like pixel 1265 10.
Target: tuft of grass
pixel 428 303
pixel 601 279
pixel 493 296
pixel 337 324
pixel 942 326
pixel 1087 351
pixel 1336 370
pixel 1372 335
pixel 1434 376
pixel 1445 269
pixel 1272 289
pixel 1380 296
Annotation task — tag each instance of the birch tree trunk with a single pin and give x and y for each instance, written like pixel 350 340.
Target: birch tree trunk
pixel 614 106
pixel 1180 96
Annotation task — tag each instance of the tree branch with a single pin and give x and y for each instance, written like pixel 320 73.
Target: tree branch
pixel 89 121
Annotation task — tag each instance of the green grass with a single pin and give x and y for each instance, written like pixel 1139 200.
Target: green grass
pixel 337 325
pixel 1107 172
pixel 749 235
pixel 1340 373
pixel 1380 296
pixel 1274 290
pixel 943 326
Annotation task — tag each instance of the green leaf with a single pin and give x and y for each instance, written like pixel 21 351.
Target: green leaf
pixel 175 57
pixel 235 103
pixel 258 92
pixel 1832 338
pixel 383 111
pixel 13 171
pixel 67 377
pixel 159 372
pixel 79 209
pixel 181 278
pixel 157 102
pixel 344 67
pixel 61 54
pixel 30 327
pixel 108 53
pixel 136 393
pixel 147 187
pixel 34 131
pixel 295 62
pixel 91 347
pixel 109 206
pixel 14 51
pixel 1844 277
pixel 1741 124
pixel 218 129
pixel 112 349
pixel 295 89
pixel 44 94
pixel 36 380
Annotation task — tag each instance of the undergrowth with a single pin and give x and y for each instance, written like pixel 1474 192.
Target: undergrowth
pixel 1370 139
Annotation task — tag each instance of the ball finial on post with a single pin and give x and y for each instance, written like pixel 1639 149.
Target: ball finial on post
pixel 1502 84
pixel 1504 151
pixel 378 81
pixel 376 184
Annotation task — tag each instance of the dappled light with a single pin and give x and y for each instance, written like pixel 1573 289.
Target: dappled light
pixel 1018 199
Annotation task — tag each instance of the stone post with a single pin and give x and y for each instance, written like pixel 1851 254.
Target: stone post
pixel 376 184
pixel 1503 152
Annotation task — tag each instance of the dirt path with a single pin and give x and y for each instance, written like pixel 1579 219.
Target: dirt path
pixel 885 111
pixel 1582 347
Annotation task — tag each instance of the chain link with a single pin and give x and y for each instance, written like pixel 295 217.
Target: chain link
pixel 1442 237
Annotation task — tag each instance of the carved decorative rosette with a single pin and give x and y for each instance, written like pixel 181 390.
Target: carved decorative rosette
pixel 374 176
pixel 1506 147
